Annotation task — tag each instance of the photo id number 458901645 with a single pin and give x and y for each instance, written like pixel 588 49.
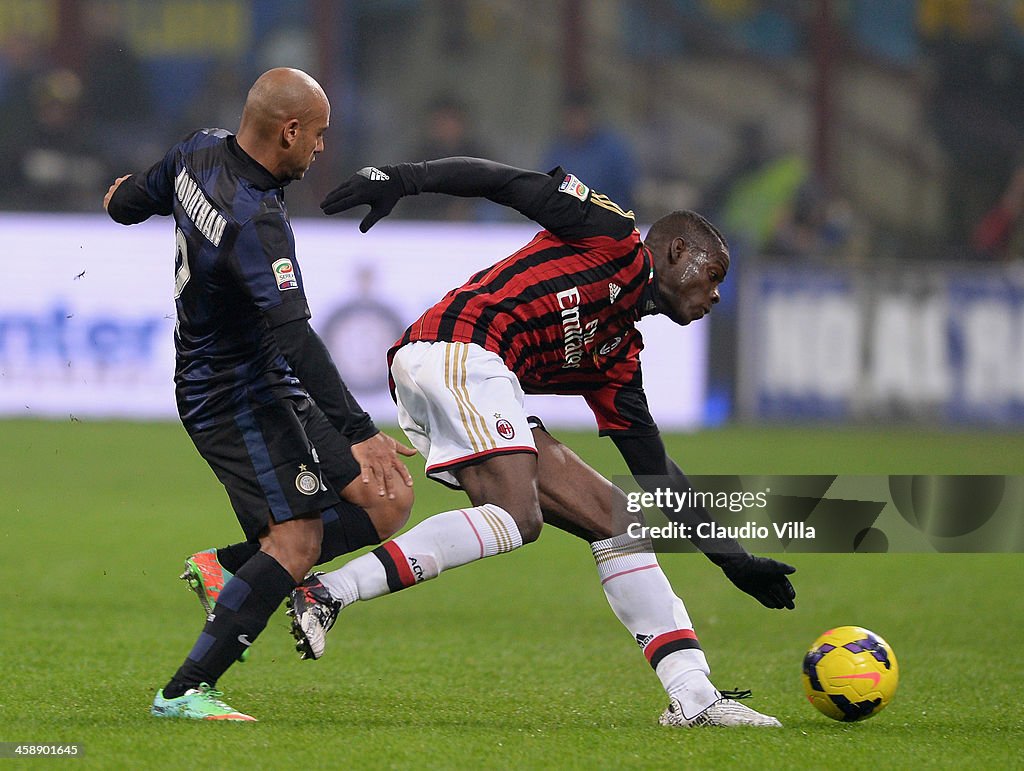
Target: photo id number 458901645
pixel 41 749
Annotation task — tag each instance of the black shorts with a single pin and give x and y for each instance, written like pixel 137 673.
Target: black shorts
pixel 279 461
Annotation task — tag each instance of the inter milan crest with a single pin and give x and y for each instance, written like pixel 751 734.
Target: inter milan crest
pixel 307 482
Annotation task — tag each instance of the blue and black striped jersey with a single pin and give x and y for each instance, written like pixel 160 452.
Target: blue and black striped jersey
pixel 236 275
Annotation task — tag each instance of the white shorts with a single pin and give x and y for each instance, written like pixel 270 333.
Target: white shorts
pixel 458 403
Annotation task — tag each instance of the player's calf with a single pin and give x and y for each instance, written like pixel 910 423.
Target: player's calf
pixel 241 613
pixel 294 543
pixel 387 515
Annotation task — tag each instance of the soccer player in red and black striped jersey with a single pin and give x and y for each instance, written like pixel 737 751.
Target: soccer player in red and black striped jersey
pixel 556 317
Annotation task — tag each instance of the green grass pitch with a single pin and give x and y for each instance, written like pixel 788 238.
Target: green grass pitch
pixel 516 662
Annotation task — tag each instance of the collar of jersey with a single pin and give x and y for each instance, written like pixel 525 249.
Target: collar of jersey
pixel 243 164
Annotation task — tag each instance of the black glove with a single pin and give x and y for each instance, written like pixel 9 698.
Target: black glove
pixel 379 187
pixel 762 578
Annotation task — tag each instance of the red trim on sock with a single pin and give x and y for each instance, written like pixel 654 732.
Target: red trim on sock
pixel 479 540
pixel 627 572
pixel 680 634
pixel 401 563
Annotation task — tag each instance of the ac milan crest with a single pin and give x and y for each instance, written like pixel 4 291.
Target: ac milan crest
pixel 505 429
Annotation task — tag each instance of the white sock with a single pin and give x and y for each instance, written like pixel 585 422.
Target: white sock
pixel 438 543
pixel 642 599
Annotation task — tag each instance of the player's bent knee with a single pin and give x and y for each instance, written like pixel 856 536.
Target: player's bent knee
pixel 401 504
pixel 388 515
pixel 530 524
pixel 391 515
pixel 525 512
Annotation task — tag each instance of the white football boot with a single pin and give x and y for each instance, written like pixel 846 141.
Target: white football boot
pixel 724 712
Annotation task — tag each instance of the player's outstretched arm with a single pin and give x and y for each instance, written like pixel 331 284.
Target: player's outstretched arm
pixel 127 202
pixel 762 578
pixel 382 187
pixel 134 198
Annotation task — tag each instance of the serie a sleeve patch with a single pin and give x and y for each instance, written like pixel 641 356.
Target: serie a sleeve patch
pixel 284 274
pixel 572 186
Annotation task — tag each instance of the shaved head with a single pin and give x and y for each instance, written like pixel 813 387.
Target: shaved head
pixel 690 258
pixel 283 121
pixel 688 225
pixel 279 95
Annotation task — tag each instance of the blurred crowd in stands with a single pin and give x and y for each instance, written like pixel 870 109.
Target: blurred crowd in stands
pixel 72 123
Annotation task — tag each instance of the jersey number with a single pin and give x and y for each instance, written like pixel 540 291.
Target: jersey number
pixel 181 269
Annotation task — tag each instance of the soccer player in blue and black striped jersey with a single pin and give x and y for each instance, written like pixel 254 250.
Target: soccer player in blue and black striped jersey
pixel 255 386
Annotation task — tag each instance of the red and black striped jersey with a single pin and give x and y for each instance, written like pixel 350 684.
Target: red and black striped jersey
pixel 561 311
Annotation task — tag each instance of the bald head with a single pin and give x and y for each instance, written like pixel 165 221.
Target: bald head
pixel 277 96
pixel 283 121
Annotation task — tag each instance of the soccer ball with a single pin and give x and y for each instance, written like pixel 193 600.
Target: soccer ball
pixel 850 674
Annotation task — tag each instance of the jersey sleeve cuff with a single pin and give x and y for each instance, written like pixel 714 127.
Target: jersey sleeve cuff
pixel 366 430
